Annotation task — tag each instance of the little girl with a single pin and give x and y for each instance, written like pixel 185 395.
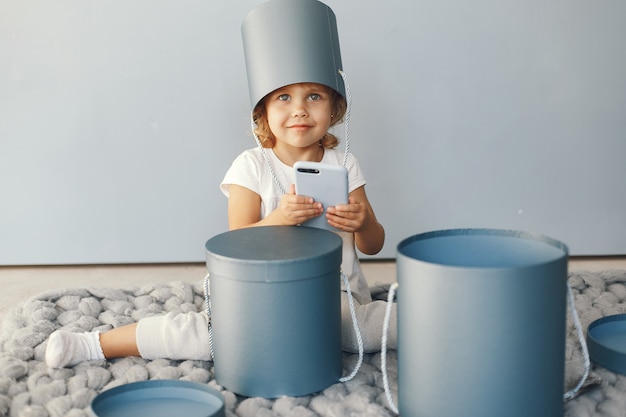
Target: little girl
pixel 291 121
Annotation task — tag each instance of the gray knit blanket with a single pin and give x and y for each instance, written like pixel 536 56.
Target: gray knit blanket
pixel 30 389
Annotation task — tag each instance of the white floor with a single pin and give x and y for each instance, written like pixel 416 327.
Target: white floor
pixel 21 282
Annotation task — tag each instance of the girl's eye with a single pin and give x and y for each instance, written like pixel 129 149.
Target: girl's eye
pixel 283 97
pixel 314 97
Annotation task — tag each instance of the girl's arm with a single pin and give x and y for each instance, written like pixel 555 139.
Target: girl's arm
pixel 358 217
pixel 244 209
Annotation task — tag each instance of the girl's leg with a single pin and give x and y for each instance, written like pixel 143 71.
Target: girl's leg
pixel 170 336
pixel 120 342
pixel 174 336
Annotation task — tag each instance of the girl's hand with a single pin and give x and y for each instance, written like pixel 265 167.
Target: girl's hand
pixel 295 209
pixel 358 217
pixel 347 217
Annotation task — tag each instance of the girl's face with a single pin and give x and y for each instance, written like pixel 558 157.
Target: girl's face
pixel 299 114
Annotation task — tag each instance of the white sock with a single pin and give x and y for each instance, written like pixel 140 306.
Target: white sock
pixel 68 349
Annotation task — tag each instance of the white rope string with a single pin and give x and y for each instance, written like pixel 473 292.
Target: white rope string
pixel 383 350
pixel 357 331
pixel 207 304
pixel 347 116
pixel 583 346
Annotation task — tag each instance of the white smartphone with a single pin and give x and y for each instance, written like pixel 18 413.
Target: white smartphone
pixel 326 183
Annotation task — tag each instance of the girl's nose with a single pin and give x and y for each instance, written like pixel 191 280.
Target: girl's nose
pixel 299 109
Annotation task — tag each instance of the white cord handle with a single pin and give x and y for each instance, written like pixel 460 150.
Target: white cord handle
pixel 347 116
pixel 207 302
pixel 583 346
pixel 383 350
pixel 357 331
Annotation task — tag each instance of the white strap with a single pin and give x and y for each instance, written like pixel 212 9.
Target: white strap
pixel 583 347
pixel 207 303
pixel 347 116
pixel 383 350
pixel 357 331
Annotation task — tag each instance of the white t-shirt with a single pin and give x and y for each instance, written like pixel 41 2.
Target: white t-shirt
pixel 250 170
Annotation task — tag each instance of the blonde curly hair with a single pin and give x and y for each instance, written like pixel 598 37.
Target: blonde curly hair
pixel 328 141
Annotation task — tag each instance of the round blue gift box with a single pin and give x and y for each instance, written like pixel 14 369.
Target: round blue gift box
pixel 482 320
pixel 276 310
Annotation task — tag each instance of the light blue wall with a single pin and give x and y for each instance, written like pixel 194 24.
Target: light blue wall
pixel 118 120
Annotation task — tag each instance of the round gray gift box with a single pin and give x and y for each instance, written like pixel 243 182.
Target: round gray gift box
pixel 481 324
pixel 287 42
pixel 275 310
